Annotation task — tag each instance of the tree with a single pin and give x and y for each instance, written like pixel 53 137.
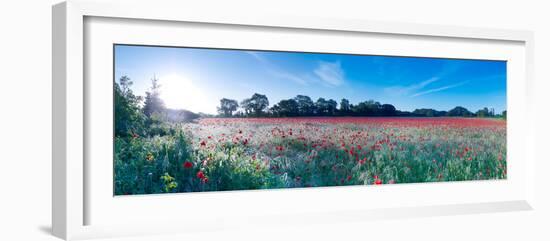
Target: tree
pixel 388 110
pixel 483 112
pixel 275 111
pixel 255 105
pixel 306 107
pixel 368 108
pixel 287 108
pixel 125 84
pixel 227 107
pixel 302 105
pixel 504 114
pixel 128 118
pixel 246 105
pixel 321 106
pixel 460 111
pixel 374 107
pixel 344 106
pixel 153 103
pixel 331 107
pixel 425 112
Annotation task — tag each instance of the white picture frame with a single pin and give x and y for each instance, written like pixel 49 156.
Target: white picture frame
pixel 73 185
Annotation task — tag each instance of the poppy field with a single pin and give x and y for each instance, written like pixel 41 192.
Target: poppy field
pixel 217 154
pixel 191 119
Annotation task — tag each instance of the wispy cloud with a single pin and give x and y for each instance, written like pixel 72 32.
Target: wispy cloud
pixel 418 89
pixel 406 90
pixel 273 70
pixel 439 89
pixel 289 76
pixel 330 73
pixel 258 57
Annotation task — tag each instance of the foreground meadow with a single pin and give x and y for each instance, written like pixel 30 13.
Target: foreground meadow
pixel 215 154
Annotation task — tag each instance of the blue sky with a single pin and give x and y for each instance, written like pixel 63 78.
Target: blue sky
pixel 196 79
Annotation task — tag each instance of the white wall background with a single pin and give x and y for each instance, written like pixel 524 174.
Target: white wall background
pixel 25 119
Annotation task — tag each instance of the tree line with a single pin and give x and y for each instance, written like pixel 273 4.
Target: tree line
pixel 148 115
pixel 301 105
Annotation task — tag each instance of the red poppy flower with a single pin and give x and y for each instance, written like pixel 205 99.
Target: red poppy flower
pixel 377 181
pixel 188 164
pixel 200 175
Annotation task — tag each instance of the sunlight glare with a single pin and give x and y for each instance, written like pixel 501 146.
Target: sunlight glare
pixel 179 92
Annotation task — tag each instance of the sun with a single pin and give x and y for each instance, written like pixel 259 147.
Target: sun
pixel 179 92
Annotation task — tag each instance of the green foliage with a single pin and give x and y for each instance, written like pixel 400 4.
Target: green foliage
pixel 227 107
pixel 302 105
pixel 169 182
pixel 129 120
pixel 152 164
pixel 344 106
pixel 429 112
pixel 286 108
pixel 460 111
pixel 485 112
pixel 306 107
pixel 255 105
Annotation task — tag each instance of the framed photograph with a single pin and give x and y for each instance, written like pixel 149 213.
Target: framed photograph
pixel 178 121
